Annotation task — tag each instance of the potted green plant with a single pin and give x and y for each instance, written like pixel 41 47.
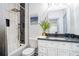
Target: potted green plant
pixel 45 26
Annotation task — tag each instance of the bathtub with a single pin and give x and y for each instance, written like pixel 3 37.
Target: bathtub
pixel 18 52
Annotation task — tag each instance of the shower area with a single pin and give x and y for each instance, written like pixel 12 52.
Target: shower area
pixel 12 28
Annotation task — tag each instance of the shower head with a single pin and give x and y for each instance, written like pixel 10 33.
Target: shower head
pixel 15 10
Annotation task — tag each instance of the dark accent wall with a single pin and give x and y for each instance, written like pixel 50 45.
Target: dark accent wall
pixel 22 23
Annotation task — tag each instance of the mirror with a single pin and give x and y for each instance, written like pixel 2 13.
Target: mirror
pixel 58 21
pixel 63 18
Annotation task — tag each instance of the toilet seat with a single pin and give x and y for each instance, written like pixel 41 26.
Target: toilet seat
pixel 28 52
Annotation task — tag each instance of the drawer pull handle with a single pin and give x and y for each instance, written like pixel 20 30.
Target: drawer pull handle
pixel 77 45
pixel 77 55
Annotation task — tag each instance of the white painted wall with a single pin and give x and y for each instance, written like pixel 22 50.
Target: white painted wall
pixel 39 10
pixel 76 18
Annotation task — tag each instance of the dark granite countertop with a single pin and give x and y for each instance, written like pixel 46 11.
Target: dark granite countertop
pixel 72 40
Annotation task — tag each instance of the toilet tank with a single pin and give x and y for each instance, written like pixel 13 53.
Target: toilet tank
pixel 33 42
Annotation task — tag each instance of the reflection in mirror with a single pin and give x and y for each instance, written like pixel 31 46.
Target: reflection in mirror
pixel 58 21
pixel 65 23
pixel 53 26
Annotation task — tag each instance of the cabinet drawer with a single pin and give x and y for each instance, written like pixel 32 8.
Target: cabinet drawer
pixel 42 43
pixel 47 43
pixel 63 52
pixel 74 53
pixel 42 50
pixel 52 51
pixel 64 45
pixel 75 46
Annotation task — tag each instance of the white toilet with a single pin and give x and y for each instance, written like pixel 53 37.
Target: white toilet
pixel 28 52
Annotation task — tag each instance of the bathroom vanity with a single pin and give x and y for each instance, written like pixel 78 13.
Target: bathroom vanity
pixel 55 46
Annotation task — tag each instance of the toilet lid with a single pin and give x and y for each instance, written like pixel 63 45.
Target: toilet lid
pixel 28 51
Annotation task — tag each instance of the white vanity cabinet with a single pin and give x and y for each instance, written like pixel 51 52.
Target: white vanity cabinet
pixel 46 48
pixel 57 48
